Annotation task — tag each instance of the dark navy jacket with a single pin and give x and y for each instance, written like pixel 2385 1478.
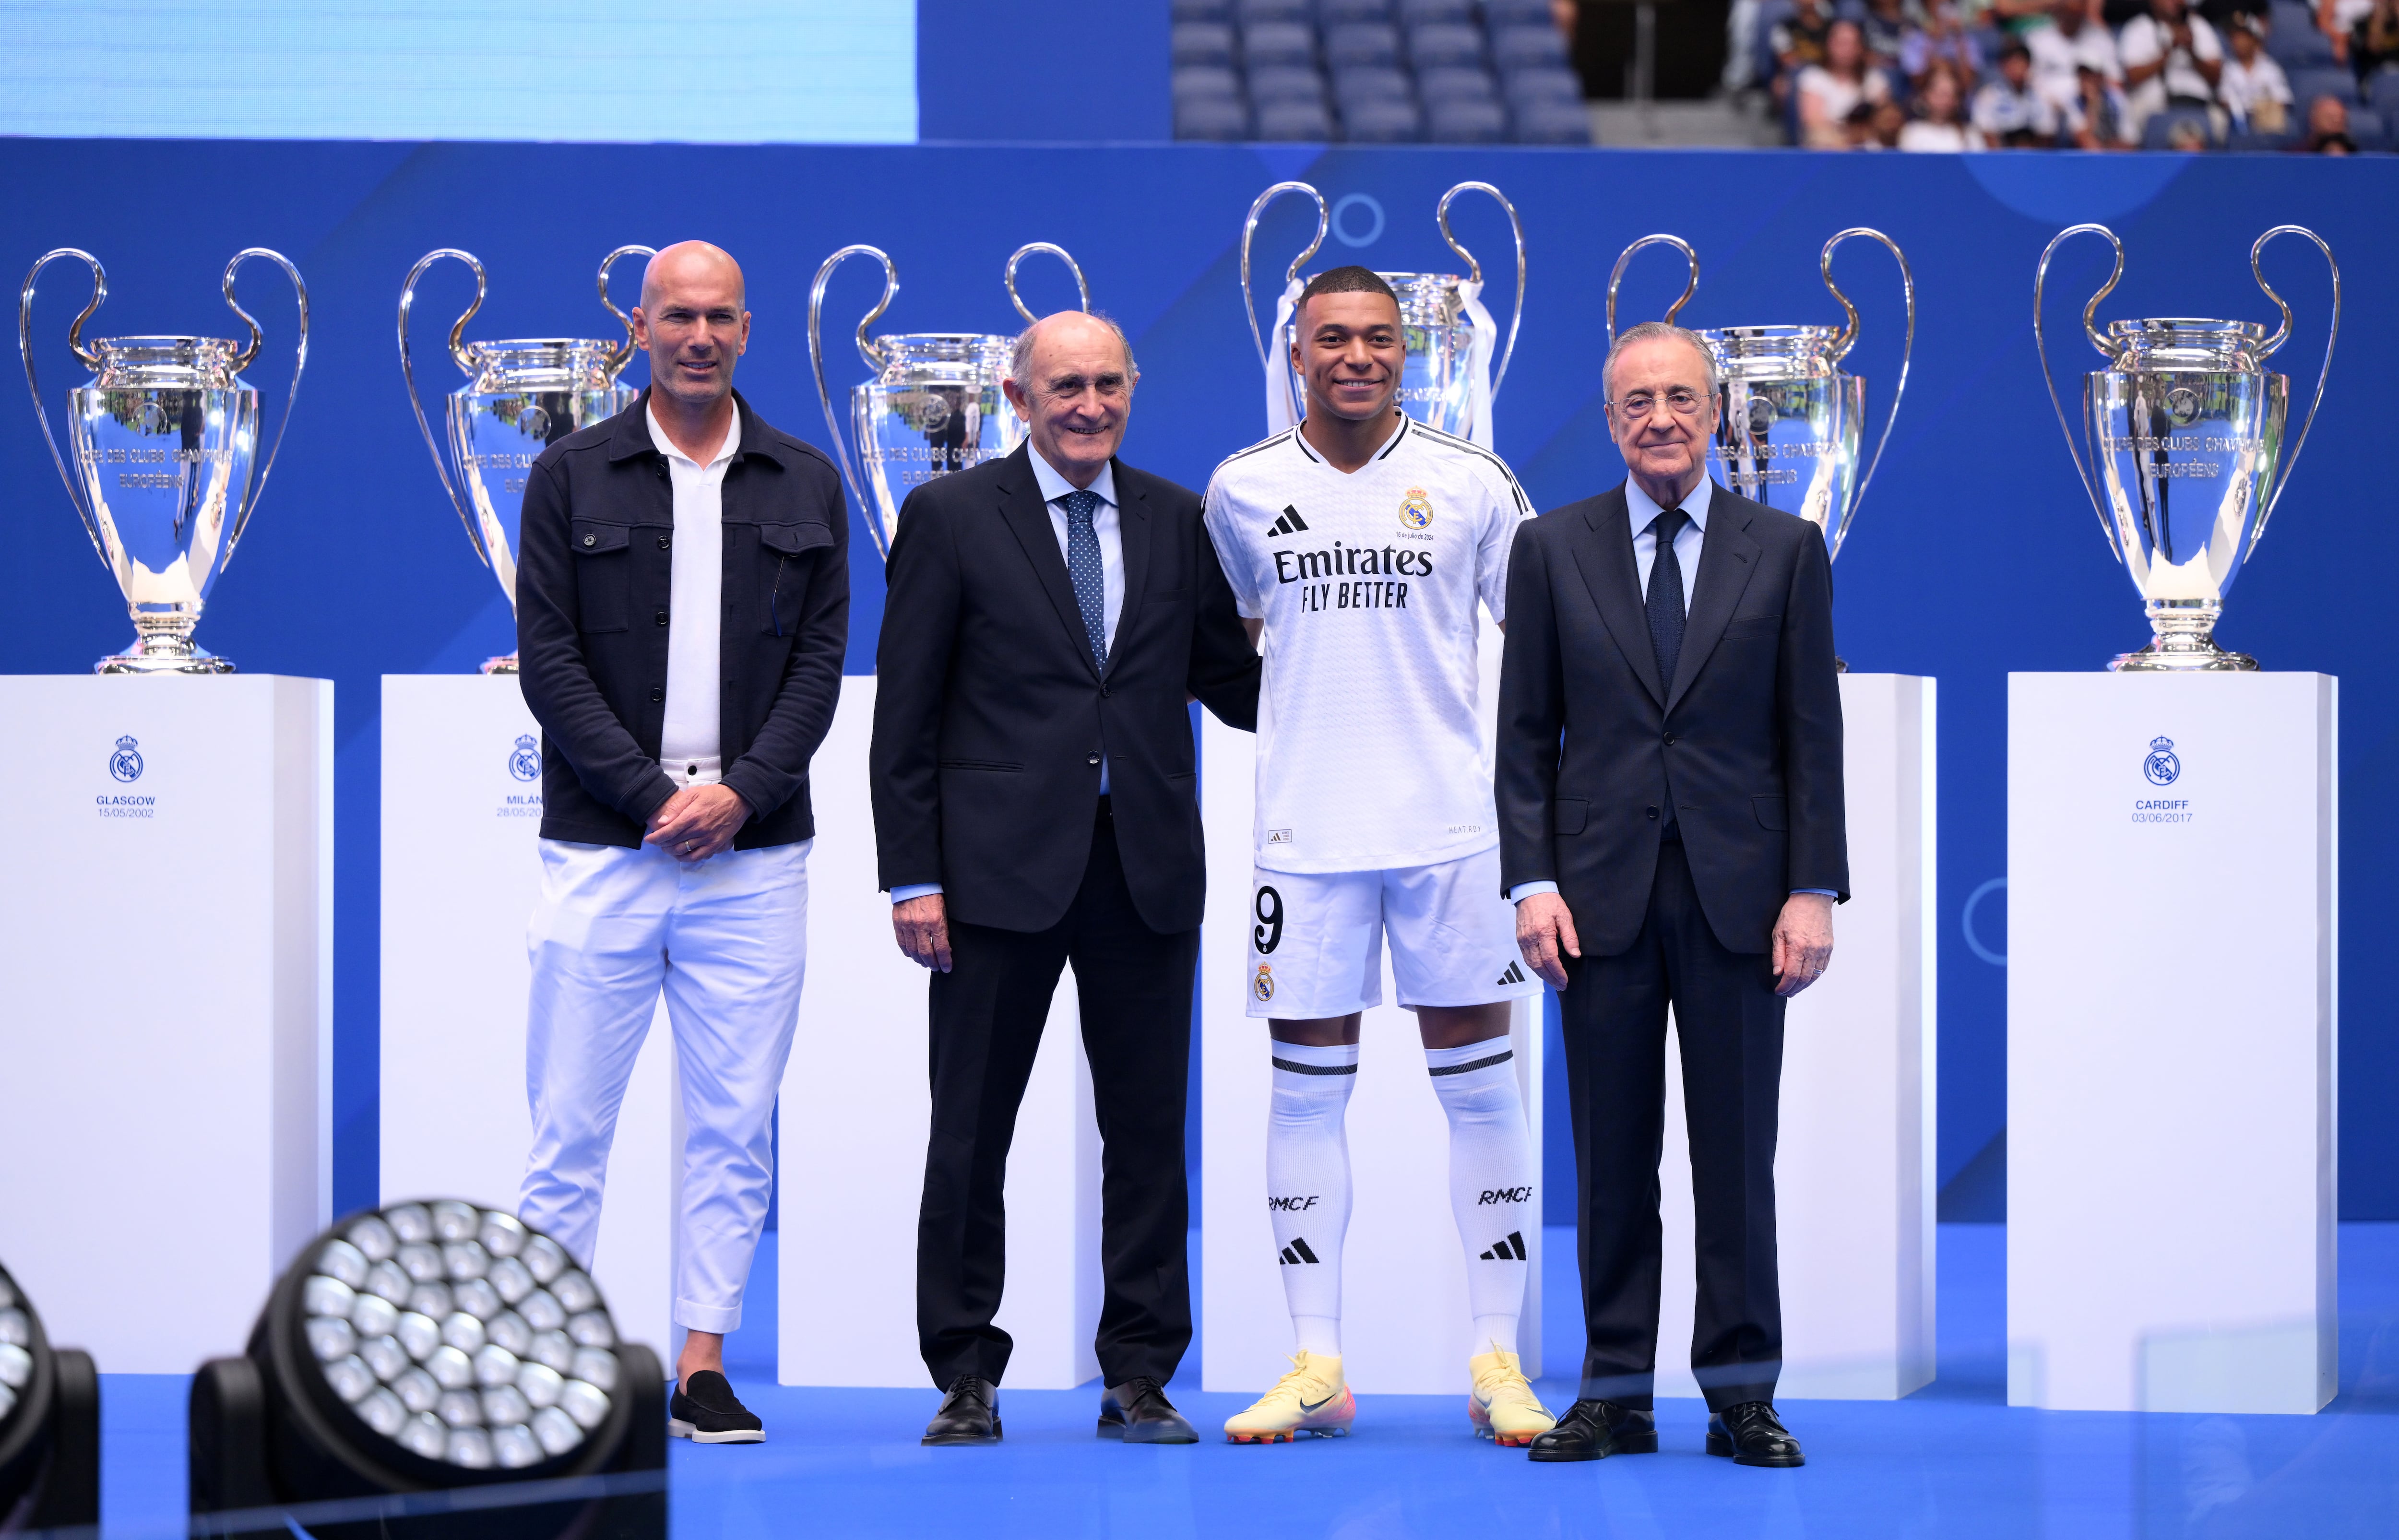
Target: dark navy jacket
pixel 594 578
pixel 990 719
pixel 1745 740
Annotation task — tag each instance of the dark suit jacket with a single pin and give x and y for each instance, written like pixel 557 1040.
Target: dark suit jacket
pixel 594 578
pixel 1745 740
pixel 990 718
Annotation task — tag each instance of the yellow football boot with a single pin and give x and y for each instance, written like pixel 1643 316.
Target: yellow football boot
pixel 1502 1406
pixel 1312 1399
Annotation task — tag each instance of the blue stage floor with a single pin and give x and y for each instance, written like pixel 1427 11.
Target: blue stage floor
pixel 1951 1459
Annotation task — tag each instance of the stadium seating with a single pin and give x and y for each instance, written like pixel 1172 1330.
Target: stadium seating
pixel 2308 84
pixel 2294 38
pixel 1376 72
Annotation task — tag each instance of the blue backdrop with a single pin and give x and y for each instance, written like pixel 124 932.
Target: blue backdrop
pixel 1975 554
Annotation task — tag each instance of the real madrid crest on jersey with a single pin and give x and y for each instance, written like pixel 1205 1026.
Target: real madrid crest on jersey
pixel 1416 509
pixel 1263 985
pixel 2162 766
pixel 126 763
pixel 525 762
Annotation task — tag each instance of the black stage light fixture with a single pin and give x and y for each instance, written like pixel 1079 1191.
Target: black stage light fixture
pixel 49 1425
pixel 428 1347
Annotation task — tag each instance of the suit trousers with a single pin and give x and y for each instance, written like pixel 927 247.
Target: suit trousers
pixel 1728 1025
pixel 988 1013
pixel 725 941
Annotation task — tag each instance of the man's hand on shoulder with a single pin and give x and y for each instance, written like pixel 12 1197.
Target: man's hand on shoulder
pixel 1803 942
pixel 1545 934
pixel 698 822
pixel 922 925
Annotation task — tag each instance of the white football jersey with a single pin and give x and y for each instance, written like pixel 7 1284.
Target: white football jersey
pixel 1370 751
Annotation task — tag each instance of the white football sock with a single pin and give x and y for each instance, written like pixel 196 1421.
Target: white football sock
pixel 1307 1184
pixel 1490 1181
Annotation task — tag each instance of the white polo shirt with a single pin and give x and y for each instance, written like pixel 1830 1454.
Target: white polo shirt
pixel 689 745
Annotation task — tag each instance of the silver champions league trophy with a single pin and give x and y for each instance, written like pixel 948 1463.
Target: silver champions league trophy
pixel 2183 404
pixel 521 396
pixel 165 443
pixel 934 404
pixel 1790 420
pixel 1448 381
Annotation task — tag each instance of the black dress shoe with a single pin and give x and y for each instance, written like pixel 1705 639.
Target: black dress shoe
pixel 1139 1412
pixel 705 1411
pixel 969 1414
pixel 1752 1435
pixel 1593 1430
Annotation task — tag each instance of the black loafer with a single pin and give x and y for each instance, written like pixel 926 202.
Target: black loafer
pixel 706 1412
pixel 1593 1430
pixel 969 1414
pixel 1139 1412
pixel 1751 1434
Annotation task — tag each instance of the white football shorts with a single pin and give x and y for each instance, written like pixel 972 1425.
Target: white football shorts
pixel 1316 938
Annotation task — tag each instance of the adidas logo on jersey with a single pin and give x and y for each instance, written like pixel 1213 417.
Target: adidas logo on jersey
pixel 1516 975
pixel 1511 1250
pixel 1296 1253
pixel 1289 524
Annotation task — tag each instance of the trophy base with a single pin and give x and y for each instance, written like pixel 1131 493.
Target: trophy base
pixel 2178 656
pixel 164 654
pixel 505 663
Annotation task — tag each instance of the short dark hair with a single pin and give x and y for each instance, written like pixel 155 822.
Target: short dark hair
pixel 1345 281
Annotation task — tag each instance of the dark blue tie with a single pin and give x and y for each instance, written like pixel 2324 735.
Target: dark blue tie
pixel 1084 566
pixel 1665 602
pixel 1666 596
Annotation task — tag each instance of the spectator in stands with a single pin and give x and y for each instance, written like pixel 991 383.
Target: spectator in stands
pixel 1886 25
pixel 2009 111
pixel 1941 39
pixel 1885 121
pixel 1940 125
pixel 2255 90
pixel 1800 43
pixel 2172 58
pixel 2064 42
pixel 1834 95
pixel 2096 118
pixel 2338 20
pixel 2374 42
pixel 2328 129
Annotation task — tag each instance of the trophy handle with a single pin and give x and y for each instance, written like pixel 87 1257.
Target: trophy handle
pixel 299 366
pixel 1007 276
pixel 2040 347
pixel 618 356
pixel 89 357
pixel 1848 338
pixel 1474 269
pixel 1249 231
pixel 1616 277
pixel 2282 335
pixel 458 355
pixel 867 350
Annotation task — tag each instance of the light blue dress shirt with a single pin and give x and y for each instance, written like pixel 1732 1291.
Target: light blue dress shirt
pixel 1643 510
pixel 1107 522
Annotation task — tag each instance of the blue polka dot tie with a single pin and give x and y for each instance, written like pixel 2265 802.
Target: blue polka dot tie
pixel 1083 565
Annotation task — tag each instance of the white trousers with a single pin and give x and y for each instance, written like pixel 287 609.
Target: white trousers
pixel 727 939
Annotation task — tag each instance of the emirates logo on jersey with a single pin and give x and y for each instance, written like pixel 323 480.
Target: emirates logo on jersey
pixel 1416 509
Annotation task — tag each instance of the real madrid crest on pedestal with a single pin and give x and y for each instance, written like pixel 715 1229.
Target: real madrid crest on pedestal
pixel 525 762
pixel 2162 766
pixel 126 763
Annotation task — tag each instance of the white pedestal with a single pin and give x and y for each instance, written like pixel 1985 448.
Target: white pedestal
pixel 1853 1166
pixel 461 816
pixel 1404 1324
pixel 857 1112
pixel 2173 930
pixel 166 1003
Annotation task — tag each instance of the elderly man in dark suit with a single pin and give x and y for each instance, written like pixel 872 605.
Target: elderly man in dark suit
pixel 1049 617
pixel 1671 830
